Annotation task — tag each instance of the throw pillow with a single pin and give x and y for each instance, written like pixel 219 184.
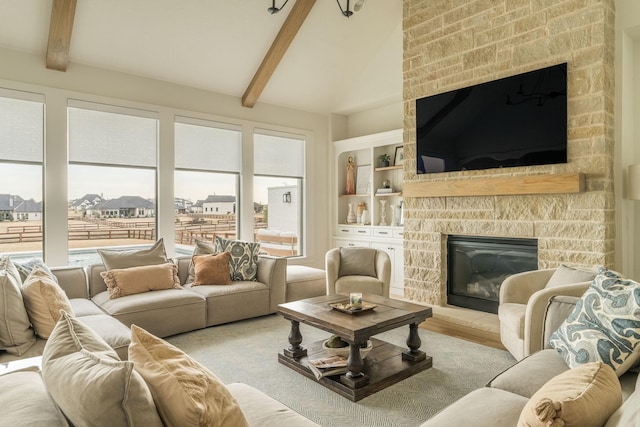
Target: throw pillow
pixel 357 262
pixel 201 248
pixel 16 335
pixel 90 384
pixel 113 259
pixel 43 299
pixel 26 267
pixel 244 257
pixel 567 275
pixel 582 397
pixel 186 393
pixel 604 325
pixel 136 280
pixel 212 269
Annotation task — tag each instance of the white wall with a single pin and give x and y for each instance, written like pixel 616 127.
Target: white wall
pixel 627 129
pixel 21 71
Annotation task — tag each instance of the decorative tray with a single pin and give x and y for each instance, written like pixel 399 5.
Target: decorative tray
pixel 346 307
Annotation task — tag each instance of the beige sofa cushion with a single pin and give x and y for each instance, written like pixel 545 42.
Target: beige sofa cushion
pixel 112 258
pixel 212 269
pixel 582 397
pixel 88 381
pixel 16 335
pixel 43 299
pixel 567 275
pixel 25 402
pixel 136 280
pixel 185 392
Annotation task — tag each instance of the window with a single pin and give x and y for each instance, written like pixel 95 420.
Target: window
pixel 278 196
pixel 208 160
pixel 111 176
pixel 21 155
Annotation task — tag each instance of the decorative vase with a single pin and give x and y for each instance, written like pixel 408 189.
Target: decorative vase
pixel 359 213
pixel 365 217
pixel 351 215
pixel 394 216
pixel 383 212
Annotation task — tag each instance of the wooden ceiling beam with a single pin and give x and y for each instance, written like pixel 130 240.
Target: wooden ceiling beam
pixel 60 27
pixel 278 48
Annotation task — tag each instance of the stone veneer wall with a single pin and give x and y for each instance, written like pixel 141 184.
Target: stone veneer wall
pixel 449 44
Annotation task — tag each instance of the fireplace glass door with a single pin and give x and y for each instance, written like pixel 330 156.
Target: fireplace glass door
pixel 478 265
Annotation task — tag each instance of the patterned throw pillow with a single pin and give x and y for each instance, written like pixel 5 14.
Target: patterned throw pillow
pixel 604 326
pixel 244 257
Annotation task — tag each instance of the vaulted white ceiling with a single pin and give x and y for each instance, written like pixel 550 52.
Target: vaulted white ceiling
pixel 334 65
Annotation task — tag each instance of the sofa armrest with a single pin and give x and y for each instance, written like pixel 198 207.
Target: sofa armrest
pixel 272 271
pixel 332 267
pixel 72 280
pixel 518 287
pixel 535 316
pixel 558 309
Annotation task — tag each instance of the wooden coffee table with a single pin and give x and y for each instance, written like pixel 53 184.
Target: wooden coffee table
pixel 386 364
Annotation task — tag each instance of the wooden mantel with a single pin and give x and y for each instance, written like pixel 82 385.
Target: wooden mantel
pixel 497 186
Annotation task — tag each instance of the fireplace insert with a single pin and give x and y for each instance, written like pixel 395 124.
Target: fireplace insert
pixel 476 267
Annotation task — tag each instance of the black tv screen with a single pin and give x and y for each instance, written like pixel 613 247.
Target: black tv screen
pixel 515 121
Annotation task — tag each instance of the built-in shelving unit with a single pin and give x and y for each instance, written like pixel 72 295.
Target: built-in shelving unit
pixel 370 177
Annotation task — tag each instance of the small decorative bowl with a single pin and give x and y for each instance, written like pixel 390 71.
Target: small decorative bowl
pixel 344 351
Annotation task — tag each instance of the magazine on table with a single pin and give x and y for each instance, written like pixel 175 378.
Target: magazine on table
pixel 327 366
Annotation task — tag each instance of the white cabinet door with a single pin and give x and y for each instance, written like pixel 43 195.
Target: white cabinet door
pixel 396 254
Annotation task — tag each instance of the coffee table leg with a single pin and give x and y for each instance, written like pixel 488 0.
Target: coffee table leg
pixel 295 350
pixel 413 342
pixel 355 377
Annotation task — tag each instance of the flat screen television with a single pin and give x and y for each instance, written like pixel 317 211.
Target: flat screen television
pixel 515 121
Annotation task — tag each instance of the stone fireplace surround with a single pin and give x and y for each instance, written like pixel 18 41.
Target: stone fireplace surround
pixel 449 44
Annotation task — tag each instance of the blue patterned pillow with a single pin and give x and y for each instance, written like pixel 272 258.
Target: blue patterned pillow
pixel 604 326
pixel 244 257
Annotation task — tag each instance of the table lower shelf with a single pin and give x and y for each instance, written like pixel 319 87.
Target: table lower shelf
pixel 384 365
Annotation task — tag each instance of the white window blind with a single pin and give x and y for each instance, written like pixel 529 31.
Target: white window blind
pixel 278 155
pixel 208 146
pixel 112 138
pixel 22 125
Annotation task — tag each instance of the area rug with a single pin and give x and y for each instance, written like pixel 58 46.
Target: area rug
pixel 246 351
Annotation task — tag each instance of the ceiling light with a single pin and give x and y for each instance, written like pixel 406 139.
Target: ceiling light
pixel 357 6
pixel 273 9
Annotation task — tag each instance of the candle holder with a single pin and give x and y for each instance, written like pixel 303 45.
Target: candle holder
pixel 383 213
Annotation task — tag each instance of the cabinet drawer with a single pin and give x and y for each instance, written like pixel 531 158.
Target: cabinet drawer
pixel 361 231
pixel 398 234
pixel 383 232
pixel 344 230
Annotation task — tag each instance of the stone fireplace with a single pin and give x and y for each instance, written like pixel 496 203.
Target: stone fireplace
pixel 450 44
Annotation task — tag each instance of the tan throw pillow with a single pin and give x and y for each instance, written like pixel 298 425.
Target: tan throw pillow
pixel 136 280
pixel 202 248
pixel 113 259
pixel 212 269
pixel 43 299
pixel 357 262
pixel 186 393
pixel 16 335
pixel 585 396
pixel 90 384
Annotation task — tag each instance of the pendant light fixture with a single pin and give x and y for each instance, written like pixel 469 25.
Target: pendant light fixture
pixel 347 12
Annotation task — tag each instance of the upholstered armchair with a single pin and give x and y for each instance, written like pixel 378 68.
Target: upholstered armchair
pixel 362 270
pixel 524 298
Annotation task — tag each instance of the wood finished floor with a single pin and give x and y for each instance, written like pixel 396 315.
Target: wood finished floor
pixel 442 326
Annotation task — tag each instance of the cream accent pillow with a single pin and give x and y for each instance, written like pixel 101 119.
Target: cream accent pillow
pixel 186 393
pixel 16 335
pixel 43 299
pixel 212 269
pixel 113 259
pixel 136 280
pixel 567 275
pixel 585 396
pixel 90 384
